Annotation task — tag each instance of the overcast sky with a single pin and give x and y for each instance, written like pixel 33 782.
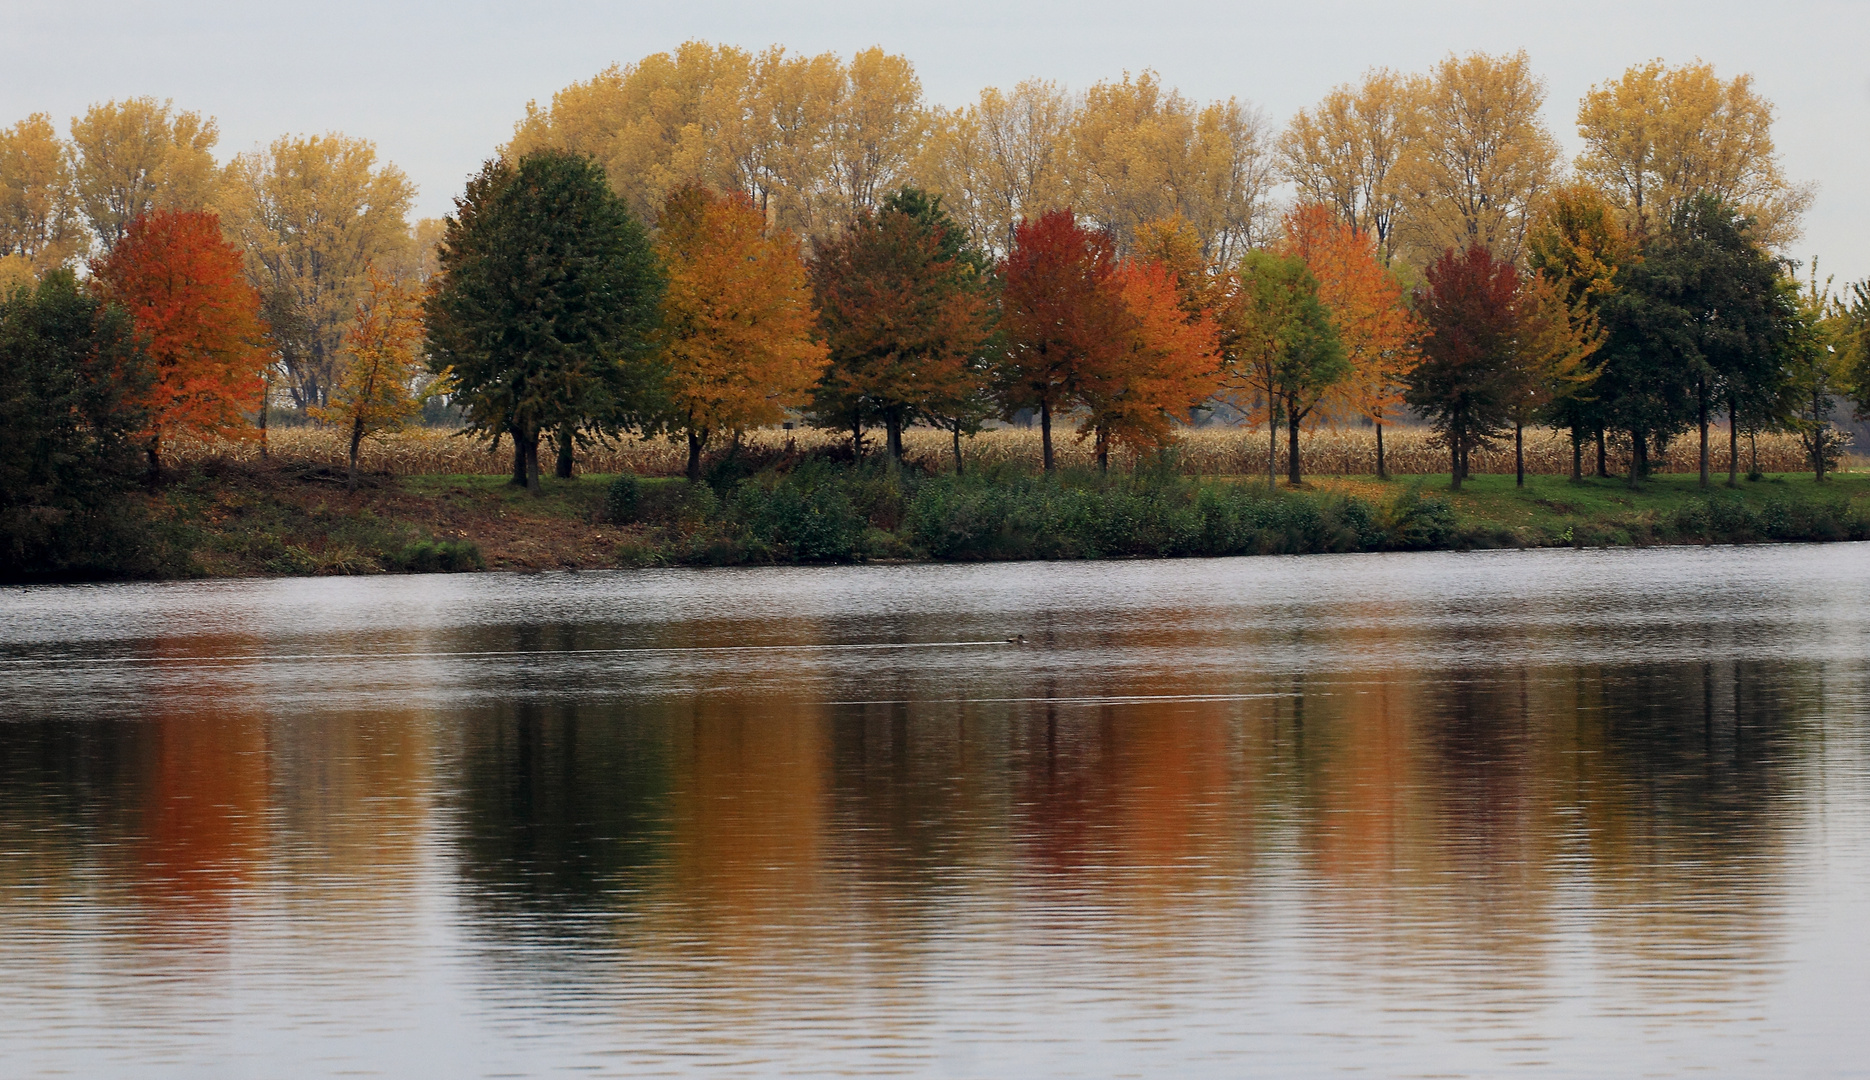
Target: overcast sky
pixel 438 85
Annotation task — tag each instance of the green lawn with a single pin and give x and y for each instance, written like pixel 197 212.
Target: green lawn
pixel 1608 510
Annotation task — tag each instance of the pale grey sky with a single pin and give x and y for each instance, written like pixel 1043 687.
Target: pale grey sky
pixel 438 85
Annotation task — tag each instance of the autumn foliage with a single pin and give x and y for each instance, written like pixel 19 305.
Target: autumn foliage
pixel 183 287
pixel 904 318
pixel 1165 365
pixel 1365 303
pixel 1468 306
pixel 737 318
pixel 381 381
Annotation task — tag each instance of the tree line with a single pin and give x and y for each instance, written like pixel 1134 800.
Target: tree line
pixel 708 242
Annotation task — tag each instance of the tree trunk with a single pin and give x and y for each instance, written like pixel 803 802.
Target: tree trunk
pixel 1701 404
pixel 1818 436
pixel 357 440
pixel 1454 462
pixel 1639 456
pixel 1103 451
pixel 857 437
pixel 266 398
pixel 153 450
pixel 1733 445
pixel 1603 469
pixel 532 462
pixel 1753 441
pixel 1519 454
pixel 1292 445
pixel 563 471
pixel 1045 434
pixel 1383 472
pixel 893 436
pixel 695 441
pixel 957 449
pixel 519 457
pixel 1577 455
pixel 1272 443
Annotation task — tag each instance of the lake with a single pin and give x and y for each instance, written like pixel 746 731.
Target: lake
pixel 1553 813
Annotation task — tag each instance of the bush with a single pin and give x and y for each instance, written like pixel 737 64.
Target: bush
pixel 676 503
pixel 622 498
pixel 806 515
pixel 1416 523
pixel 439 556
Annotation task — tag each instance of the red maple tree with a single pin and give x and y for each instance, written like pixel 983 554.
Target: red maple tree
pixel 1062 315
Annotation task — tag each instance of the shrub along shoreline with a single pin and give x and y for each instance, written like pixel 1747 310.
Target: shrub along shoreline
pixel 232 520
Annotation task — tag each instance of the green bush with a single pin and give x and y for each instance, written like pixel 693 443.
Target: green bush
pixel 806 515
pixel 1730 519
pixel 439 556
pixel 676 503
pixel 1413 522
pixel 622 498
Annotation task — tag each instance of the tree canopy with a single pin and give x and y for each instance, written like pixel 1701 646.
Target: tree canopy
pixel 544 306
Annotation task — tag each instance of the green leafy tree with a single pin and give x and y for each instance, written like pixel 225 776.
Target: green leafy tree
pixel 547 294
pixel 1852 330
pixel 1817 371
pixel 1705 317
pixel 71 377
pixel 1279 350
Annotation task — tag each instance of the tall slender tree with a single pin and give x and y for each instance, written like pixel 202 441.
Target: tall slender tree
pixel 1167 365
pixel 381 384
pixel 1280 353
pixel 1365 302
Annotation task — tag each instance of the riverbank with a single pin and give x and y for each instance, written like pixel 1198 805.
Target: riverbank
pixel 229 520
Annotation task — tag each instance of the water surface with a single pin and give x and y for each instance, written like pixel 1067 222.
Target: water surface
pixel 1545 813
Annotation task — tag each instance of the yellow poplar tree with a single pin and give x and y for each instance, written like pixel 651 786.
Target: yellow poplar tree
pixel 1342 153
pixel 737 318
pixel 313 213
pixel 131 157
pixel 1657 136
pixel 38 225
pixel 1476 158
pixel 999 160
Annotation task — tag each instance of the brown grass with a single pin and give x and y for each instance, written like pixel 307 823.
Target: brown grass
pixel 1204 451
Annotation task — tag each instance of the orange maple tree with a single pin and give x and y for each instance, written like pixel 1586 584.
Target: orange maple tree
pixel 1365 302
pixel 737 318
pixel 183 287
pixel 1167 364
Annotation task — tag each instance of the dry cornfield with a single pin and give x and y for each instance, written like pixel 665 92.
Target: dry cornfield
pixel 1204 451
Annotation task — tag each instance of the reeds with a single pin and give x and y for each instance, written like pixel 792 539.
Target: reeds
pixel 1210 451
